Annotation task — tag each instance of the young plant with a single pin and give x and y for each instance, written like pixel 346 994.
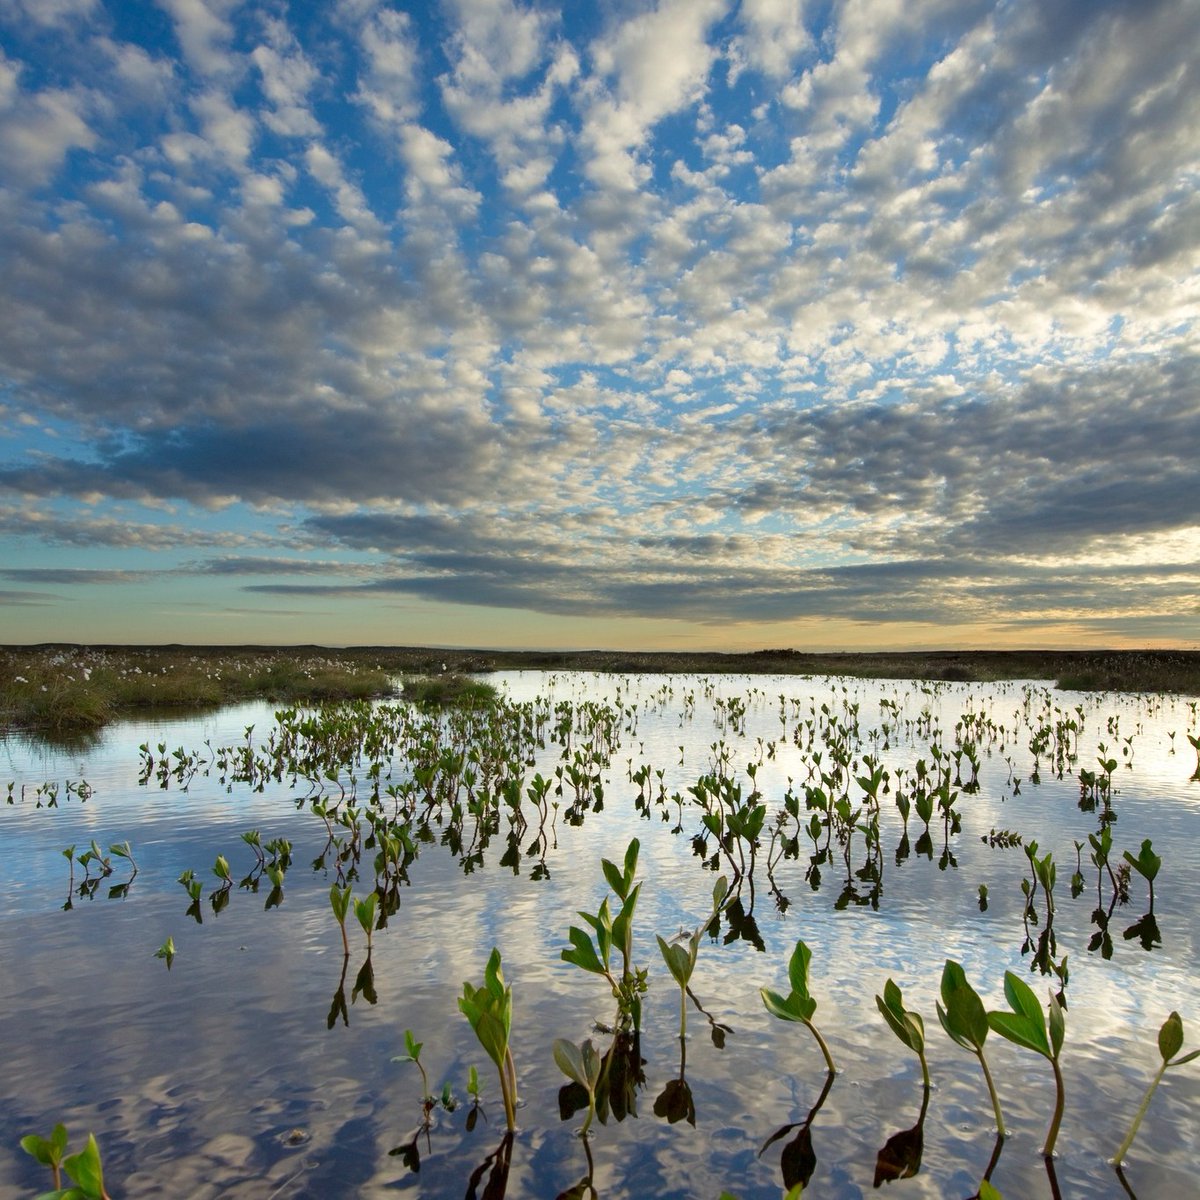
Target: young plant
pixel 167 952
pixel 681 959
pixel 613 932
pixel 965 1021
pixel 1146 864
pixel 84 1168
pixel 489 1009
pixel 909 1027
pixel 798 1005
pixel 1028 1026
pixel 339 899
pixel 364 910
pixel 412 1054
pixel 1170 1042
pixel 582 1065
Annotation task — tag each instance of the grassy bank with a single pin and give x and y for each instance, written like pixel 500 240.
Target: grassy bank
pixel 62 689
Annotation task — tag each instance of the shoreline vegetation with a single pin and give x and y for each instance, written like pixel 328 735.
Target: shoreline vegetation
pixel 65 689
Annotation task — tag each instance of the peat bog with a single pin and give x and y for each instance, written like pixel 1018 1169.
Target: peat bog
pixel 607 933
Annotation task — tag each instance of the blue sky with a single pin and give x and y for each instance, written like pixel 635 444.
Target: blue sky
pixel 683 324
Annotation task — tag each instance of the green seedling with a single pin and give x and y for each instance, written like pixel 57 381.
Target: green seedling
pixel 339 899
pixel 412 1053
pixel 798 1005
pixel 1028 1026
pixel 681 959
pixel 48 1151
pixel 476 1099
pixel 122 850
pixel 365 910
pixel 94 855
pixel 84 1168
pixel 613 932
pixel 221 871
pixel 1146 865
pixel 489 1010
pixel 965 1022
pixel 1170 1042
pixel 909 1027
pixel 581 1064
pixel 167 952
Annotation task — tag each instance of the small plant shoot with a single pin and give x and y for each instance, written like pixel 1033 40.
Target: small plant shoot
pixel 489 1010
pixel 1040 1032
pixel 965 1021
pixel 798 1005
pixel 1170 1043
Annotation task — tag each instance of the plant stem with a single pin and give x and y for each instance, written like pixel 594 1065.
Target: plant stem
pixel 824 1048
pixel 508 1086
pixel 987 1075
pixel 1119 1157
pixel 1059 1104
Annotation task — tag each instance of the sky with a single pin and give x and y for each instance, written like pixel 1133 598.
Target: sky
pixel 656 324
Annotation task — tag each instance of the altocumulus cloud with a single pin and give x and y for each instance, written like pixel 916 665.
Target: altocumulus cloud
pixel 713 311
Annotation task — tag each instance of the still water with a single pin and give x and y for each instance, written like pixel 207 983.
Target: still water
pixel 261 1064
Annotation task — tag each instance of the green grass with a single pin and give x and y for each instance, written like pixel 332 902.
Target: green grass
pixel 441 691
pixel 60 691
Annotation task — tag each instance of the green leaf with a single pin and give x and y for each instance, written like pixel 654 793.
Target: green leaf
pixel 798 968
pixel 1147 862
pixel 84 1168
pixel 1021 998
pixel 964 1017
pixel 582 953
pixel 1057 1025
pixel 44 1151
pixel 613 877
pixel 791 1008
pixel 907 1026
pixel 339 899
pixel 1021 1030
pixel 364 910
pixel 678 963
pixel 622 926
pixel 1170 1037
pixel 631 857
pixel 578 1063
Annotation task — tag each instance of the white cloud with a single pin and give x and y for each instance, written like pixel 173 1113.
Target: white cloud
pixel 287 77
pixel 773 37
pixel 389 83
pixel 205 33
pixel 38 129
pixel 656 62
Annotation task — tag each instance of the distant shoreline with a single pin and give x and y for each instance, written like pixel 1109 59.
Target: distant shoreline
pixel 1175 670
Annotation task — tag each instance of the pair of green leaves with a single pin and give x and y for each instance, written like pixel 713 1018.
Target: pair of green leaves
pixel 582 1065
pixel 798 1005
pixel 489 1010
pixel 965 1021
pixel 1041 1032
pixel 83 1168
pixel 908 1026
pixel 1027 1025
